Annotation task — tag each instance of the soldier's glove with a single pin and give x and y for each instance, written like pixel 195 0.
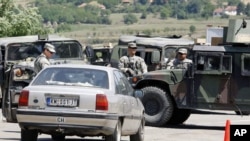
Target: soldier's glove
pixel 130 72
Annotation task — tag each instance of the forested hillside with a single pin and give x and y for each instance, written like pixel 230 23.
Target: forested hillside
pixel 99 19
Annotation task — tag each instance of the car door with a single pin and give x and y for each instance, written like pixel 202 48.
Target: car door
pixel 130 107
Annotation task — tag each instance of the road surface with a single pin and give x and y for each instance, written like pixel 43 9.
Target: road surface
pixel 201 126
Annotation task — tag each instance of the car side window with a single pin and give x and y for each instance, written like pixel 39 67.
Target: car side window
pixel 122 84
pixel 213 63
pixel 245 65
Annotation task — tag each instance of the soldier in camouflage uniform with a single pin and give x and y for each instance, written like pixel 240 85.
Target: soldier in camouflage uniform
pixel 131 64
pixel 42 60
pixel 181 61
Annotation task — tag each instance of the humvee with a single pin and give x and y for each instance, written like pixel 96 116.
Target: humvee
pixel 17 64
pixel 218 79
pixel 157 52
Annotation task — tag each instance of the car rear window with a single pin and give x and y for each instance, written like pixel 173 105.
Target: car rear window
pixel 73 77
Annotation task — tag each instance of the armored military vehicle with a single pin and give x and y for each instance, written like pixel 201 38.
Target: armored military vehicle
pixel 218 79
pixel 157 52
pixel 17 64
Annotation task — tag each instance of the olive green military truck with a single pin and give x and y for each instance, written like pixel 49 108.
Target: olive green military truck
pixel 218 79
pixel 157 52
pixel 17 64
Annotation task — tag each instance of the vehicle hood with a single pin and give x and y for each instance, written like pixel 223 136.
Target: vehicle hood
pixel 171 76
pixel 30 62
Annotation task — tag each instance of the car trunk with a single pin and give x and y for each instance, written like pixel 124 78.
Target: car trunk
pixel 71 98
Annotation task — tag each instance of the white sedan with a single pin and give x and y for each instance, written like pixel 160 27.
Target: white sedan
pixel 82 100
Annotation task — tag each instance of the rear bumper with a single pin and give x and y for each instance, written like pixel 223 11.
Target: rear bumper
pixel 80 124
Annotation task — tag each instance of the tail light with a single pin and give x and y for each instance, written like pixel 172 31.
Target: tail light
pixel 101 102
pixel 23 98
pixel 18 72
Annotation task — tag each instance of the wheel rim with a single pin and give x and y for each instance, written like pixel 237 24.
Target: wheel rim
pixel 152 107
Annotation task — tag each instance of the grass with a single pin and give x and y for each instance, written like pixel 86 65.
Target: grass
pixel 156 26
pixel 86 33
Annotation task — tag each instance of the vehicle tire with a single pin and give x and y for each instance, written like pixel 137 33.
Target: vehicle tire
pixel 58 137
pixel 139 136
pixel 158 106
pixel 179 116
pixel 116 136
pixel 242 112
pixel 29 135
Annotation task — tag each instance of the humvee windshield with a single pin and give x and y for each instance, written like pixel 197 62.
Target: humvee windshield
pixel 64 50
pixel 143 52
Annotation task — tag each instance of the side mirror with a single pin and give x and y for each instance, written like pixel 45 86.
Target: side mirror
pixel 138 93
pixel 155 58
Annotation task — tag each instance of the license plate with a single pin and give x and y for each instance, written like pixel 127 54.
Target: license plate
pixel 62 102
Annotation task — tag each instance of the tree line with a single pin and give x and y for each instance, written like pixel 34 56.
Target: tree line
pixel 17 21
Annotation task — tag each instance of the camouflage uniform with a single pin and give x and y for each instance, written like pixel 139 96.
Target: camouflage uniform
pixel 179 64
pixel 41 62
pixel 135 63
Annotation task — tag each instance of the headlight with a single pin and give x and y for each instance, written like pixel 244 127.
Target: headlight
pixel 135 79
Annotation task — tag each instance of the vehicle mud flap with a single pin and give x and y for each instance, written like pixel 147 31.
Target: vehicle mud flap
pixel 158 106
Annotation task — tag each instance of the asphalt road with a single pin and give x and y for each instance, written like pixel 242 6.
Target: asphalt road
pixel 201 126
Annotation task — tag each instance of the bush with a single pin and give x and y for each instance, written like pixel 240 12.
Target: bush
pixel 130 19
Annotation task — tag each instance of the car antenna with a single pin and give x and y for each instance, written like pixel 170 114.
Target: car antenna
pixel 243 25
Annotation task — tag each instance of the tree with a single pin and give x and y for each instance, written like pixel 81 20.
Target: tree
pixel 164 13
pixel 233 2
pixel 194 6
pixel 143 2
pixel 130 18
pixel 159 2
pixel 144 15
pixel 207 10
pixel 247 10
pixel 192 29
pixel 240 8
pixel 19 21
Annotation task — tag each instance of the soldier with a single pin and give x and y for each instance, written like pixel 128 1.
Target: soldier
pixel 132 64
pixel 181 61
pixel 42 60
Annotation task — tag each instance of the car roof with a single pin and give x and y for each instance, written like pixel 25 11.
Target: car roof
pixel 30 38
pixel 88 66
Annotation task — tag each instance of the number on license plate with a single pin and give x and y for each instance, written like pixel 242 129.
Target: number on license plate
pixel 64 102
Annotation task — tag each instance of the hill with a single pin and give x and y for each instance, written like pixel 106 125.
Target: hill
pixel 153 24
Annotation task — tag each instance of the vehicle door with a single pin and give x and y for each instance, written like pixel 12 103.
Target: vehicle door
pixel 130 104
pixel 117 52
pixel 7 98
pixel 211 83
pixel 18 73
pixel 240 85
